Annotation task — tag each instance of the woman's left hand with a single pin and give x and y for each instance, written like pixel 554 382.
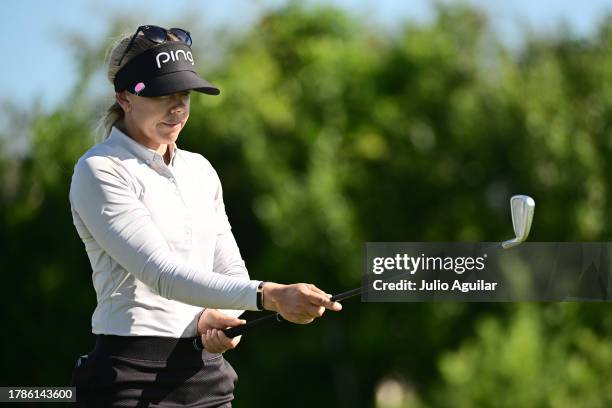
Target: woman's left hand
pixel 211 325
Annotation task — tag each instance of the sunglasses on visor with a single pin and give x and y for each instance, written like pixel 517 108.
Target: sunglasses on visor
pixel 158 35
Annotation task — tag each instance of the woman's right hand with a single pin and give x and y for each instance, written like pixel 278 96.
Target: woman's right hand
pixel 298 303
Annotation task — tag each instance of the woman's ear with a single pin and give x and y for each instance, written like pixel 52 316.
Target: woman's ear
pixel 123 100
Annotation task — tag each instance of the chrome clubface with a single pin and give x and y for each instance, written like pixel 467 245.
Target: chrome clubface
pixel 522 208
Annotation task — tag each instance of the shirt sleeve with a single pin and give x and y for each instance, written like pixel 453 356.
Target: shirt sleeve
pixel 228 260
pixel 120 223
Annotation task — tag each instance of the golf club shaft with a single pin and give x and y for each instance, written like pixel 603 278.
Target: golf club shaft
pixel 276 317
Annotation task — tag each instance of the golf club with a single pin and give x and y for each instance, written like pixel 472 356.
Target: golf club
pixel 522 208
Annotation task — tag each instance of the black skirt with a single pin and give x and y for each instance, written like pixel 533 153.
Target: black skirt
pixel 144 371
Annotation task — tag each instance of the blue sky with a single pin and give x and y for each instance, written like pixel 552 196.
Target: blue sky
pixel 39 66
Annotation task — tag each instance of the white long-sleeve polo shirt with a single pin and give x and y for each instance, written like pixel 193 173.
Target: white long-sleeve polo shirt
pixel 158 239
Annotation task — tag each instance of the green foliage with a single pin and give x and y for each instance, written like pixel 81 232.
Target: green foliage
pixel 328 134
pixel 534 359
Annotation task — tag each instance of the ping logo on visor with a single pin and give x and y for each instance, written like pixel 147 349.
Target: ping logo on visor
pixel 174 56
pixel 165 69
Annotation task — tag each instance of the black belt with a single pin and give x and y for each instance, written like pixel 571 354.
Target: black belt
pixel 150 347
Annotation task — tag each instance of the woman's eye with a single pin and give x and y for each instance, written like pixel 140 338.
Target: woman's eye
pixel 181 94
pixel 165 98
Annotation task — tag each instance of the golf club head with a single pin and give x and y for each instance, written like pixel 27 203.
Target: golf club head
pixel 522 208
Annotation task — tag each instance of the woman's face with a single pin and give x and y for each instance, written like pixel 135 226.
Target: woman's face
pixel 153 121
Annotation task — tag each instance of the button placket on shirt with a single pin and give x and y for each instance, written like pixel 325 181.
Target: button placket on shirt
pixel 187 219
pixel 165 171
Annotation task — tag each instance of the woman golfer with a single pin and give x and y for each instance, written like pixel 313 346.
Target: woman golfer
pixel 166 267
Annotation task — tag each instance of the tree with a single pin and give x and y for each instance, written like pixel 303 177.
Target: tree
pixel 328 134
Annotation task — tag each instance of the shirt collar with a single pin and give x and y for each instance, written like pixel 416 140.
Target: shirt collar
pixel 139 150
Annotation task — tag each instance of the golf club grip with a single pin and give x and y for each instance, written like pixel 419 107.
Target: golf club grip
pixel 275 317
pixel 239 330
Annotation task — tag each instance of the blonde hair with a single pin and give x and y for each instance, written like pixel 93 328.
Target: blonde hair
pixel 114 52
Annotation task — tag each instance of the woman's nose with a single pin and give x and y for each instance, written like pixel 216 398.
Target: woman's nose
pixel 179 106
pixel 180 103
